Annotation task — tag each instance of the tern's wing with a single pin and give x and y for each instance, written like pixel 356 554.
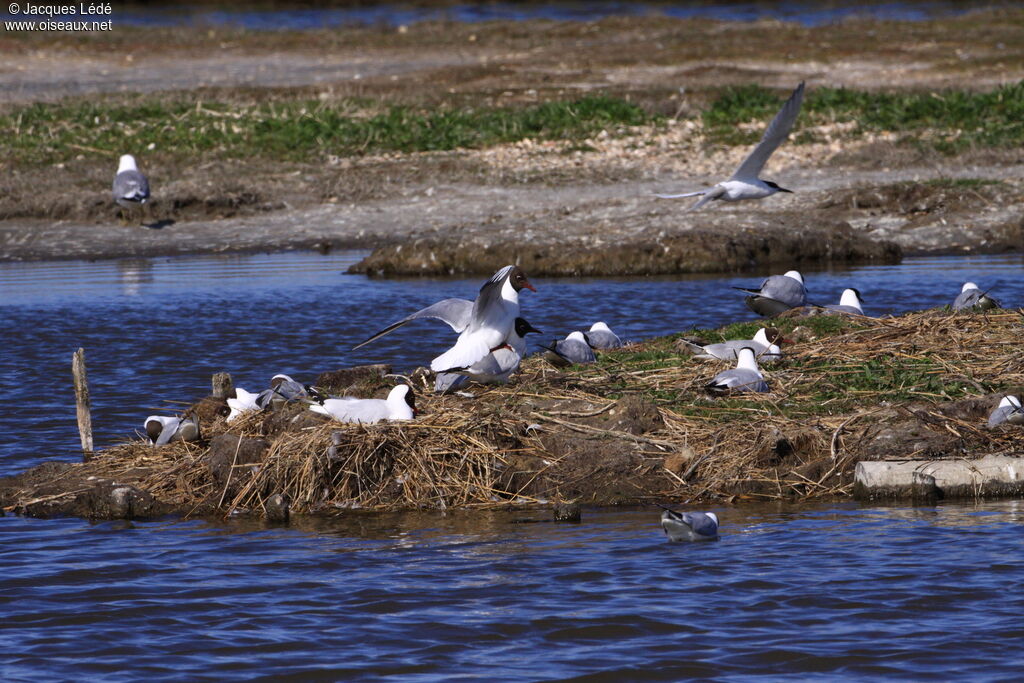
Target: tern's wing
pixel 456 312
pixel 680 196
pixel 776 132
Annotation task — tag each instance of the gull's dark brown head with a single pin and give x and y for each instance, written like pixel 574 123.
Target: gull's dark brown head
pixel 410 399
pixel 518 279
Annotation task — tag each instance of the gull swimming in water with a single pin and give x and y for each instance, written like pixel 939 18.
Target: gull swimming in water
pixel 496 367
pixel 573 350
pixel 483 325
pixel 744 183
pixel 601 337
pixel 399 405
pixel 689 526
pixel 131 188
pixel 764 344
pixel 850 302
pixel 972 298
pixel 162 430
pixel 744 377
pixel 1009 411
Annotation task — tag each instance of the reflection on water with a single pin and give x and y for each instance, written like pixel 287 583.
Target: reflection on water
pixel 811 593
pixel 156 330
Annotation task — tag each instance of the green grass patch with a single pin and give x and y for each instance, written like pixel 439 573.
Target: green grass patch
pixel 294 130
pixel 953 119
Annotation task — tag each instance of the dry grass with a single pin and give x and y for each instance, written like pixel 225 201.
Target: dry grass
pixel 639 419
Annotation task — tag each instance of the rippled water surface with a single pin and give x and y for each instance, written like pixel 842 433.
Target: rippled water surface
pixel 847 592
pixel 813 594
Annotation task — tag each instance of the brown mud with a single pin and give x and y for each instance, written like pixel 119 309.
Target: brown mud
pixel 590 198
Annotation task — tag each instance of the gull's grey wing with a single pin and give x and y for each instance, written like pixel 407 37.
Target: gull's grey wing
pixel 785 289
pixel 737 379
pixel 776 132
pixel 968 299
pixel 131 185
pixel 839 308
pixel 490 292
pixel 599 339
pixel 456 312
pixel 575 351
pixel 446 382
pixel 702 524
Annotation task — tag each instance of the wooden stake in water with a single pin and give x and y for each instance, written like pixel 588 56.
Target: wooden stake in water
pixel 82 400
pixel 223 387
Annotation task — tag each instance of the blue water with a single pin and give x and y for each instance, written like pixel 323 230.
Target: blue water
pixel 155 330
pixel 397 14
pixel 830 593
pixel 834 592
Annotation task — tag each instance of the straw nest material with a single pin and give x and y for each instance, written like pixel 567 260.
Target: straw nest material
pixel 635 427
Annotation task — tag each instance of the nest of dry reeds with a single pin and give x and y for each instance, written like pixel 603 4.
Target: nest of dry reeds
pixel 637 426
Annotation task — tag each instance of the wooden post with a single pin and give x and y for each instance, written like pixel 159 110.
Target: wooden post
pixel 82 400
pixel 223 387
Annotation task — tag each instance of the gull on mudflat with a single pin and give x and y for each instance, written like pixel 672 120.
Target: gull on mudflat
pixel 1009 411
pixel 162 430
pixel 601 337
pixel 765 346
pixel 777 294
pixel 850 302
pixel 483 325
pixel 689 526
pixel 971 298
pixel 495 368
pixel 573 350
pixel 399 405
pixel 744 377
pixel 744 182
pixel 131 188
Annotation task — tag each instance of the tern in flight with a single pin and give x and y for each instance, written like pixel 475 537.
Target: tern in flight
pixel 744 183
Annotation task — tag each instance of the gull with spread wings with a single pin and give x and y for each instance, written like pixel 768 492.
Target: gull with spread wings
pixel 744 182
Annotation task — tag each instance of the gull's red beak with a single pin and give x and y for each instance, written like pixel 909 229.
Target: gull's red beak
pixel 526 283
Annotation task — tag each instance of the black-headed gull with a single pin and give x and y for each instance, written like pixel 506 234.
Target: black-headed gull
pixel 246 401
pixel 850 302
pixel 573 350
pixel 777 294
pixel 601 337
pixel 972 298
pixel 764 343
pixel 161 429
pixel 744 377
pixel 483 325
pixel 131 188
pixel 399 405
pixel 1009 411
pixel 744 183
pixel 689 526
pixel 496 367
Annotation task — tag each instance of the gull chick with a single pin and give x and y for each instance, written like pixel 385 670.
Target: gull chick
pixel 850 302
pixel 399 405
pixel 744 377
pixel 601 337
pixel 131 188
pixel 689 526
pixel 744 183
pixel 777 294
pixel 764 343
pixel 1009 411
pixel 972 298
pixel 573 350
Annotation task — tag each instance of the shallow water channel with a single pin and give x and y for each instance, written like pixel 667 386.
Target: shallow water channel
pixel 837 590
